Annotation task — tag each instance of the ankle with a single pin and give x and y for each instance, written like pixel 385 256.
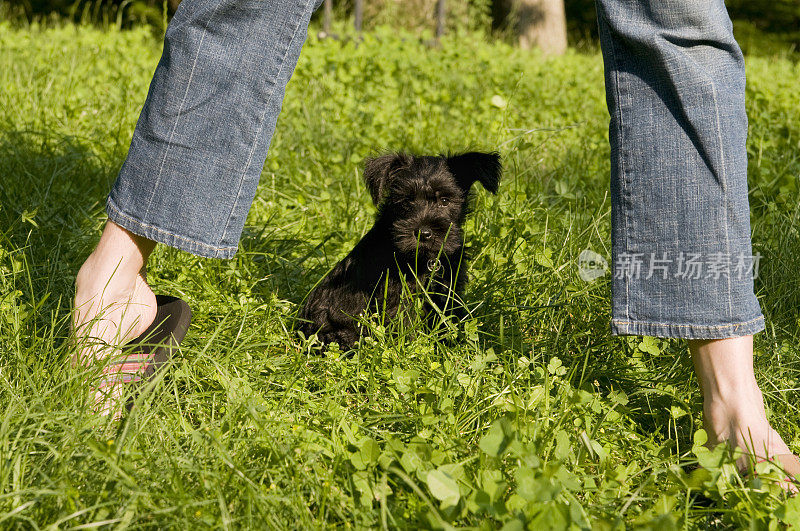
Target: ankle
pixel 101 277
pixel 116 263
pixel 725 415
pixel 734 401
pixel 725 373
pixel 733 395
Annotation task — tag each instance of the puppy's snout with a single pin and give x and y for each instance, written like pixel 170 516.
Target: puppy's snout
pixel 425 233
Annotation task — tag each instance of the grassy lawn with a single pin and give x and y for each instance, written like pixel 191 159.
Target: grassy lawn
pixel 536 416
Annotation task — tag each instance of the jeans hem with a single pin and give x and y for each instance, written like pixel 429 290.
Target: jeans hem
pixel 620 327
pixel 159 235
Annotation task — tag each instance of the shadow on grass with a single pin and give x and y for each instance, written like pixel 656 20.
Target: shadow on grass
pixel 290 264
pixel 52 208
pixel 52 194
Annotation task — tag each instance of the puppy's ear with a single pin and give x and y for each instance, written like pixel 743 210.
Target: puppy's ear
pixel 482 167
pixel 379 171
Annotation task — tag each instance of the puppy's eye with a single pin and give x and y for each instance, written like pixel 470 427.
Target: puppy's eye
pixel 444 201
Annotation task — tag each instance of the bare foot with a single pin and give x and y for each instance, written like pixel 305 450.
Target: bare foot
pixel 113 304
pixel 733 406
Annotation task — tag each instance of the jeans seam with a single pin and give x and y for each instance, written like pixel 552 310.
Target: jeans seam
pixel 714 327
pixel 723 178
pixel 117 211
pixel 262 120
pixel 180 109
pixel 687 331
pixel 724 173
pixel 624 189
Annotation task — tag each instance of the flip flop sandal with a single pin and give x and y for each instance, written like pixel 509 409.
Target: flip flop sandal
pixel 142 357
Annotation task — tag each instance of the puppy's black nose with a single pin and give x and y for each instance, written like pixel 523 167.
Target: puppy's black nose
pixel 425 233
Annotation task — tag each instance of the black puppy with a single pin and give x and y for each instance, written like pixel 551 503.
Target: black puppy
pixel 416 241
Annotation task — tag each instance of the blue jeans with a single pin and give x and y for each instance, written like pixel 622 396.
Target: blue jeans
pixel 682 264
pixel 680 217
pixel 202 137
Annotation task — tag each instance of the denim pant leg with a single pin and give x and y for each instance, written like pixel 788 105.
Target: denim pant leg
pixel 680 216
pixel 202 137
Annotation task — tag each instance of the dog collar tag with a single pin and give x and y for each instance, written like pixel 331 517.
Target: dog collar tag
pixel 433 265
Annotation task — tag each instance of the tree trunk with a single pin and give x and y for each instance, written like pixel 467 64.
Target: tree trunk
pixel 542 23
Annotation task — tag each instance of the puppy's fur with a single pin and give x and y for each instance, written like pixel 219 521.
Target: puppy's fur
pixel 417 240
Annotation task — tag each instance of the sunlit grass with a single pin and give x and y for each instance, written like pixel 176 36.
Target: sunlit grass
pixel 254 427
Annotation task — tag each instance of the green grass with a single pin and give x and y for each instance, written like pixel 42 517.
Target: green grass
pixel 537 416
